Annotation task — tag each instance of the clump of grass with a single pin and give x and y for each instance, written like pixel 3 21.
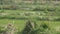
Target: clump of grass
pixel 42 29
pixel 10 29
pixel 33 28
pixel 30 25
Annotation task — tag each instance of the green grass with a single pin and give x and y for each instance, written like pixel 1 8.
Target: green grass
pixel 20 24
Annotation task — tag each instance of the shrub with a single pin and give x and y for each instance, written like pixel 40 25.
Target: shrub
pixel 10 29
pixel 30 26
pixel 33 28
pixel 43 29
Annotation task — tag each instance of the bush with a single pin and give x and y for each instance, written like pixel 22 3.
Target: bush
pixel 30 26
pixel 33 28
pixel 43 29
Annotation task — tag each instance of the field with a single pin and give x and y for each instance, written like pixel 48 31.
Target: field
pixel 20 24
pixel 19 18
pixel 30 17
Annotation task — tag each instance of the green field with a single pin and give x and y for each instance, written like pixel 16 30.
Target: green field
pixel 19 18
pixel 20 24
pixel 29 16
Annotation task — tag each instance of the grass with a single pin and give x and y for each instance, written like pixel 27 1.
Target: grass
pixel 20 24
pixel 17 23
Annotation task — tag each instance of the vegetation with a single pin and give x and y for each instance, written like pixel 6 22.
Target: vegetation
pixel 29 17
pixel 43 27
